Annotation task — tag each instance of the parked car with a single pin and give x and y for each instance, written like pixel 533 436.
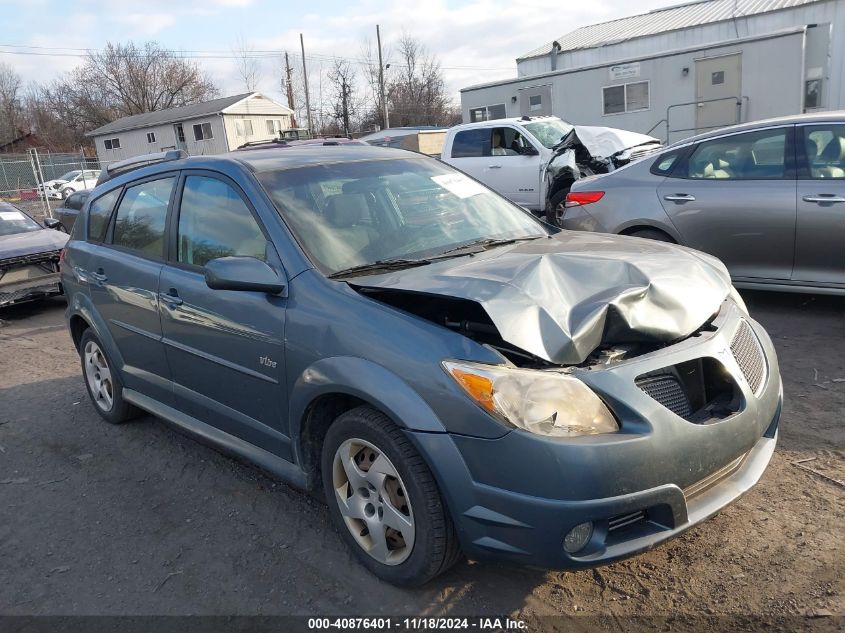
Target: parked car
pixel 72 181
pixel 485 385
pixel 29 257
pixel 533 161
pixel 767 198
pixel 68 212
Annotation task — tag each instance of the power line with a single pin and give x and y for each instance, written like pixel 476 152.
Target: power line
pixel 210 54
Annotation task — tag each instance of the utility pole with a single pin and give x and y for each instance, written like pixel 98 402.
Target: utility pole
pixel 305 80
pixel 381 80
pixel 290 90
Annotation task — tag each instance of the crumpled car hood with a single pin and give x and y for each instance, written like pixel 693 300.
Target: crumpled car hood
pixel 559 298
pixel 605 141
pixel 32 242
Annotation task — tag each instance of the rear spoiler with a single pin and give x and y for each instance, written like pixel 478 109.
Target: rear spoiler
pixel 136 162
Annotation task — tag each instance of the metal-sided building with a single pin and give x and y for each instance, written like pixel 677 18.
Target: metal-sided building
pixel 211 127
pixel 682 69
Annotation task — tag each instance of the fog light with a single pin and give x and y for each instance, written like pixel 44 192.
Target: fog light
pixel 578 537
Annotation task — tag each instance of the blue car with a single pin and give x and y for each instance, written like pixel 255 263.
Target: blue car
pixel 457 378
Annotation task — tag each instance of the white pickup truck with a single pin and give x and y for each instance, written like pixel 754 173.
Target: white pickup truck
pixel 533 161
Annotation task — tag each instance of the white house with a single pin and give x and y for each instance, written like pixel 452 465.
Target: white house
pixel 682 69
pixel 212 127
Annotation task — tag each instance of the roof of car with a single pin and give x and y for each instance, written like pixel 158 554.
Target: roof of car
pixel 493 122
pixel 836 116
pixel 261 160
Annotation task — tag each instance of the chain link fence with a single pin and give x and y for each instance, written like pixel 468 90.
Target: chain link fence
pixel 22 178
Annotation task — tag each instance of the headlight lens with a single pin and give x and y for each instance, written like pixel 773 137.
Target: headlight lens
pixel 738 299
pixel 542 402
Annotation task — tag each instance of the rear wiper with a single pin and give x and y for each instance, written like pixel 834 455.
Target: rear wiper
pixel 377 266
pixel 482 245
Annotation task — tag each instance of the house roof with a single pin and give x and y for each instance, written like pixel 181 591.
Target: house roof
pixel 671 18
pixel 174 115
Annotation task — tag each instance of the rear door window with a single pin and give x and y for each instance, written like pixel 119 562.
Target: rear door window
pixel 824 151
pixel 471 143
pixel 757 155
pixel 141 217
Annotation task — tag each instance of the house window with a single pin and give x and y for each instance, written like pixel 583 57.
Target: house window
pixel 202 131
pixel 180 133
pixel 626 98
pixel 243 127
pixel 535 102
pixel 487 113
pixel 151 137
pixel 274 126
pixel 112 143
pixel 717 78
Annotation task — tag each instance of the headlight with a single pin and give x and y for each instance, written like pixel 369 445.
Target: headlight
pixel 542 402
pixel 734 294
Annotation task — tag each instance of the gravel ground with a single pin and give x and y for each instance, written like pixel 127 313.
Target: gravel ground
pixel 140 520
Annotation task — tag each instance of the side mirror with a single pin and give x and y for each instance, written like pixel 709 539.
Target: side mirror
pixel 530 151
pixel 242 273
pixel 53 223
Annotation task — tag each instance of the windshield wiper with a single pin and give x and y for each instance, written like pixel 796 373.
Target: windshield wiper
pixel 380 265
pixel 479 246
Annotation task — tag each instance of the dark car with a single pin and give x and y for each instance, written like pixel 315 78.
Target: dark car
pixel 69 211
pixel 484 385
pixel 29 257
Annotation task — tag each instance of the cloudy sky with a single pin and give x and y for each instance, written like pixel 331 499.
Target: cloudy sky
pixel 476 40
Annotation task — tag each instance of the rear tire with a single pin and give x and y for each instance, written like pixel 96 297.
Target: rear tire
pixel 102 381
pixel 652 234
pixel 372 471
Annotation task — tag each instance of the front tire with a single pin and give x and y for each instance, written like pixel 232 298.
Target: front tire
pixel 384 500
pixel 102 381
pixel 555 208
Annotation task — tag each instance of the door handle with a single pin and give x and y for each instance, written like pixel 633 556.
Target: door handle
pixel 679 197
pixel 494 166
pixel 823 197
pixel 171 298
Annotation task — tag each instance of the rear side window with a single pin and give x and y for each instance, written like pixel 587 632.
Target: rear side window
pixel 666 162
pixel 471 143
pixel 749 156
pixel 99 213
pixel 141 215
pixel 215 222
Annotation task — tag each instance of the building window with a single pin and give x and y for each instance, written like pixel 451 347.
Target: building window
pixel 717 78
pixel 625 98
pixel 151 137
pixel 535 102
pixel 180 133
pixel 243 127
pixel 202 131
pixel 274 126
pixel 112 143
pixel 812 94
pixel 487 113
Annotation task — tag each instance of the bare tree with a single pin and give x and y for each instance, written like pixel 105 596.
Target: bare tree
pixel 126 79
pixel 373 117
pixel 417 92
pixel 10 103
pixel 344 105
pixel 249 68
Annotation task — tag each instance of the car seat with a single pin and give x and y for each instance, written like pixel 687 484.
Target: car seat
pixel 831 162
pixel 347 213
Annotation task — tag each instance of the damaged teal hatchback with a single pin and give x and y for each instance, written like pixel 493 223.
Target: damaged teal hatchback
pixel 456 377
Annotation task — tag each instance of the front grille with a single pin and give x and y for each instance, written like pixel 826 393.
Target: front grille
pixel 748 354
pixel 28 260
pixel 625 520
pixel 667 391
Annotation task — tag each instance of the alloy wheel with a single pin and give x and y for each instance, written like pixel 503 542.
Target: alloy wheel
pixel 373 501
pixel 98 375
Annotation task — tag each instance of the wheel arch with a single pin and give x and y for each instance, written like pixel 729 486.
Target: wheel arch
pixel 646 225
pixel 332 386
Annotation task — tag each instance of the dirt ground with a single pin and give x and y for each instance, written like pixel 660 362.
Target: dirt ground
pixel 139 520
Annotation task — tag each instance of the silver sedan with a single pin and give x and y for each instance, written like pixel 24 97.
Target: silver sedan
pixel 767 198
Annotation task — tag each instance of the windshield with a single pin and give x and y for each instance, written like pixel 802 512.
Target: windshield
pixel 69 176
pixel 358 213
pixel 13 221
pixel 548 131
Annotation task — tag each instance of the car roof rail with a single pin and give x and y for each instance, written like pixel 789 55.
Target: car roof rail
pixel 117 168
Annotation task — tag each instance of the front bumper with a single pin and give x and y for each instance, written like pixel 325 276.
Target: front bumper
pixel 29 289
pixel 516 497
